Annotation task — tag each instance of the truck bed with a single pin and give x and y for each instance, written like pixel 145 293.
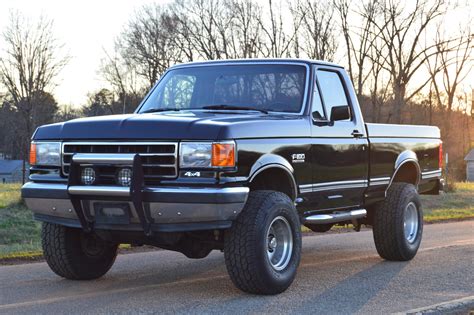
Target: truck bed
pixel 402 131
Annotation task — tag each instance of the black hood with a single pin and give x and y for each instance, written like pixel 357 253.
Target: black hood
pixel 184 125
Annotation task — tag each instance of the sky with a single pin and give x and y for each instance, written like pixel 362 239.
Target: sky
pixel 88 27
pixel 85 28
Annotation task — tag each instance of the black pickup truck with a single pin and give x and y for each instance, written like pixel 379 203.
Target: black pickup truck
pixel 233 156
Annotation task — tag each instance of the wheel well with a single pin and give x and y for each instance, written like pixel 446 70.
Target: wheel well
pixel 274 178
pixel 407 173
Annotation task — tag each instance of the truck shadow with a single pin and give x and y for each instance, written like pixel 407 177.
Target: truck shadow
pixel 320 295
pixel 353 293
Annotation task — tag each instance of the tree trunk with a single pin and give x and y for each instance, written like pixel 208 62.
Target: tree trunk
pixel 399 102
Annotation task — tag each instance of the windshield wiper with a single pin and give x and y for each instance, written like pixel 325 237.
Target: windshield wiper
pixel 156 110
pixel 234 107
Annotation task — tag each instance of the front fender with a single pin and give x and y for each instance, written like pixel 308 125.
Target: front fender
pixel 268 161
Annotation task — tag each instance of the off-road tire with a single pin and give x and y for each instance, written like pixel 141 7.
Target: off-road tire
pixel 64 251
pixel 388 226
pixel 246 244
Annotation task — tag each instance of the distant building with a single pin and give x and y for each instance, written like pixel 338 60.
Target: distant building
pixel 11 171
pixel 470 166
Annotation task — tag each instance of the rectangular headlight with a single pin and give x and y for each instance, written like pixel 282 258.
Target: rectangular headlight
pixel 207 154
pixel 45 153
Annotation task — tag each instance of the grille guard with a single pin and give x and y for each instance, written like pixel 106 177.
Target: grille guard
pixel 135 192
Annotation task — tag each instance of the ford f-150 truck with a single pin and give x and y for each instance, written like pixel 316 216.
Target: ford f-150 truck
pixel 232 156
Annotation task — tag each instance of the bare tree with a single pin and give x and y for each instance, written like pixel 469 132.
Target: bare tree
pixel 449 67
pixel 206 25
pixel 125 82
pixel 147 44
pixel 278 34
pixel 67 112
pixel 402 32
pixel 361 41
pixel 246 28
pixel 317 32
pixel 30 63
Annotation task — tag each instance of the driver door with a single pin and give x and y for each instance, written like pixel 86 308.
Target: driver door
pixel 339 148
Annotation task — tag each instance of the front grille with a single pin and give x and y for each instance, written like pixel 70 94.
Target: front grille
pixel 159 159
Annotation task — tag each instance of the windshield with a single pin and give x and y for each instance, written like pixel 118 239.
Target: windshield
pixel 264 87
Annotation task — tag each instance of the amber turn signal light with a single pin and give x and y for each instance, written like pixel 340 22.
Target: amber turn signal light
pixel 223 154
pixel 32 154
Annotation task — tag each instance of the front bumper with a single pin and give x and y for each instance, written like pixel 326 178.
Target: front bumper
pixel 164 208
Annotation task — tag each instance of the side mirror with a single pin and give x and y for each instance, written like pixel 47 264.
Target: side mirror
pixel 340 113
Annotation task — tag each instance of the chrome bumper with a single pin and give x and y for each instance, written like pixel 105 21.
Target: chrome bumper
pixel 162 205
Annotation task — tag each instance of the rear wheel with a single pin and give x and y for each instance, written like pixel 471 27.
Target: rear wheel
pixel 262 249
pixel 76 255
pixel 398 223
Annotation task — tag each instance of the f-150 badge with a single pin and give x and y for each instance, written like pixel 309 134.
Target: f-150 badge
pixel 298 157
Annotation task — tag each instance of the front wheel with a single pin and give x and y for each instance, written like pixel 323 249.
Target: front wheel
pixel 263 248
pixel 398 223
pixel 73 254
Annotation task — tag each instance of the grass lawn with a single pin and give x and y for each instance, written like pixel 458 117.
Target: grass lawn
pixel 450 206
pixel 20 234
pixel 18 231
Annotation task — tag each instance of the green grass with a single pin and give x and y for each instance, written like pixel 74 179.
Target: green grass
pixel 20 234
pixel 18 231
pixel 455 205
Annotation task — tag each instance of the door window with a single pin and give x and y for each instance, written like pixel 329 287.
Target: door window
pixel 332 90
pixel 317 105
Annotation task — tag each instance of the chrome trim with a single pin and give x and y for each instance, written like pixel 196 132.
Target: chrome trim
pixel 224 190
pixel 119 158
pixel 431 174
pixel 379 181
pixel 49 186
pixel 336 217
pixel 118 191
pixel 161 212
pixel 362 183
pixel 341 183
pixel 339 187
pixel 243 62
pixel 112 191
pixel 174 154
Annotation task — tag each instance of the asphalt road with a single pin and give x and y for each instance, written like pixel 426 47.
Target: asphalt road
pixel 339 273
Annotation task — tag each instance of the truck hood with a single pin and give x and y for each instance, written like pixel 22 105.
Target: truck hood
pixel 183 125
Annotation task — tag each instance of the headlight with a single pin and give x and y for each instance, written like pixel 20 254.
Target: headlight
pixel 207 154
pixel 45 153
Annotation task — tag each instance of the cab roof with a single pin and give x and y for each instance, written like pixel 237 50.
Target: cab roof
pixel 256 60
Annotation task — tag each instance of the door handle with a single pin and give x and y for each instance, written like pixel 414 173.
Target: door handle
pixel 357 134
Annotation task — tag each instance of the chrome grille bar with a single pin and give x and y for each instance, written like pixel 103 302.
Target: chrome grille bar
pixel 165 154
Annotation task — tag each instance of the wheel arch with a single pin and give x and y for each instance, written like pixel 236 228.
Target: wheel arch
pixel 406 169
pixel 279 170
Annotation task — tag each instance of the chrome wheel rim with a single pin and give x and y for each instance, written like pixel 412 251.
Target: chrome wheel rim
pixel 279 245
pixel 410 224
